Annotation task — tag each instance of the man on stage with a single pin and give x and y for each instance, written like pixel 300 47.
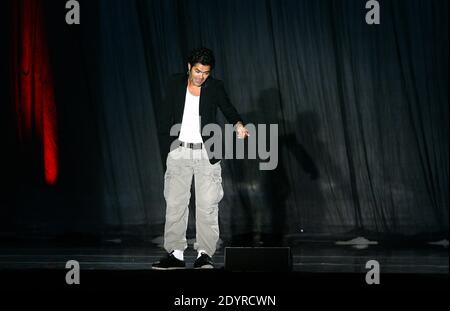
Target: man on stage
pixel 192 99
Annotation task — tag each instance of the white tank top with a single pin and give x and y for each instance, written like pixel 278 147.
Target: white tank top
pixel 190 126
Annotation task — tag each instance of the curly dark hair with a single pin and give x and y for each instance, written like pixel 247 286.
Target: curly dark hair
pixel 203 56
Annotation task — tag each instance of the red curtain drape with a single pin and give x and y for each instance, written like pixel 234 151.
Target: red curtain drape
pixel 34 96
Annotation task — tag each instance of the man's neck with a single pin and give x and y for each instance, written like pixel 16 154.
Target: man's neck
pixel 193 89
pixel 192 86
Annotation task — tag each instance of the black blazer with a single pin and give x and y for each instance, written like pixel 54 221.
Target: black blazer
pixel 212 96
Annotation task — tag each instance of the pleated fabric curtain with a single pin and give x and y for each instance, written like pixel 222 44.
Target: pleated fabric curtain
pixel 362 112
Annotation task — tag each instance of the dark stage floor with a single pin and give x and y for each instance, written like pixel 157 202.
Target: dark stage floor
pixel 317 265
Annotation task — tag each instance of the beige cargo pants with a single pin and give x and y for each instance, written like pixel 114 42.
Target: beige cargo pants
pixel 183 164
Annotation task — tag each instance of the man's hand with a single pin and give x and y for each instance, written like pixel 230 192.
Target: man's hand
pixel 241 130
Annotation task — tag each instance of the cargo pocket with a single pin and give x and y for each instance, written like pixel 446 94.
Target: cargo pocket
pixel 167 178
pixel 217 182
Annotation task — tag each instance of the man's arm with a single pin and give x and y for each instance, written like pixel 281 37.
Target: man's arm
pixel 230 112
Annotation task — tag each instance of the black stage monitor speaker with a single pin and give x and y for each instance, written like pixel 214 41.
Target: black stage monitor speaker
pixel 258 259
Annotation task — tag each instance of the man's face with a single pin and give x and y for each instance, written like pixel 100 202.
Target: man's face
pixel 198 73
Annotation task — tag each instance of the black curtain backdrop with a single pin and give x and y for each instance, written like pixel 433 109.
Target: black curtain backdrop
pixel 362 113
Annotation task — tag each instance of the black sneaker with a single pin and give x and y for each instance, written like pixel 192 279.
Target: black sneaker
pixel 203 262
pixel 170 262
